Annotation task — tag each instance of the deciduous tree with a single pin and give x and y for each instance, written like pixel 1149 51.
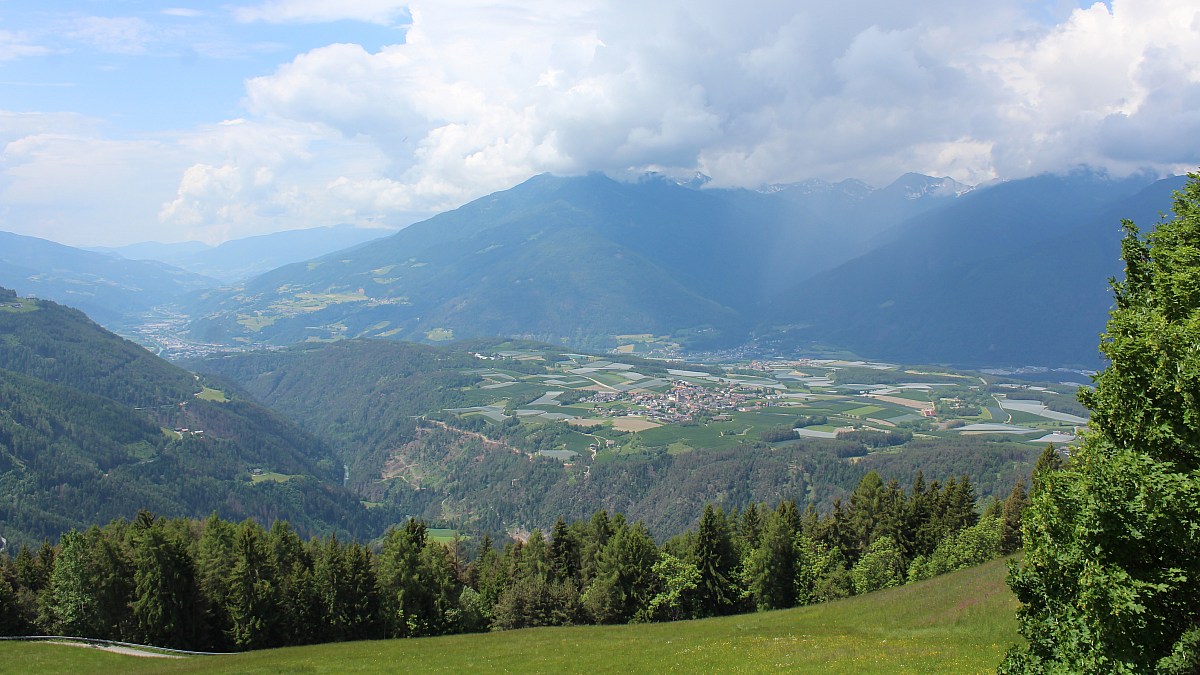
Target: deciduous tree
pixel 1111 573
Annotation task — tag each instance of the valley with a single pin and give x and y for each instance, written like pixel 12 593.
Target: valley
pixel 506 436
pixel 610 405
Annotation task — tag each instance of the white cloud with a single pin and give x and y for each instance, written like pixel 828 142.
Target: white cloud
pixel 114 35
pixel 78 187
pixel 383 12
pixel 482 94
pixel 16 45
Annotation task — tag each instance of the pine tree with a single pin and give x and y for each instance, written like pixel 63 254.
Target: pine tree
pixel 253 601
pixel 164 587
pixel 214 563
pixel 773 567
pixel 1010 515
pixel 714 556
pixel 564 553
pixel 624 574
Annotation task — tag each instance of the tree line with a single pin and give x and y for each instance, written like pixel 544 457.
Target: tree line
pixel 217 585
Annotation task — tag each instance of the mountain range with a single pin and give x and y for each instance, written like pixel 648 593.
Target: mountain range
pixel 114 291
pixel 240 259
pixel 923 270
pixel 573 259
pixel 1012 274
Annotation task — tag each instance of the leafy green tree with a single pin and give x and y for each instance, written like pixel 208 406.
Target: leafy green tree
pixel 402 592
pixel 881 566
pixel 969 546
pixel 1111 571
pixel 70 604
pixel 676 581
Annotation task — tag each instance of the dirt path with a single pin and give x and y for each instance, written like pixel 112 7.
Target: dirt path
pixel 475 434
pixel 116 649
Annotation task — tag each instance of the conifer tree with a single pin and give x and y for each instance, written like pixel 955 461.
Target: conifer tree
pixel 214 564
pixel 564 553
pixel 253 601
pixel 623 585
pixel 1011 513
pixel 163 586
pixel 714 556
pixel 773 567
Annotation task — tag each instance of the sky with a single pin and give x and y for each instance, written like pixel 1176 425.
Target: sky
pixel 134 120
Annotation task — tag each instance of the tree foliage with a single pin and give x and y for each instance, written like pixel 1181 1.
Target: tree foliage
pixel 1111 572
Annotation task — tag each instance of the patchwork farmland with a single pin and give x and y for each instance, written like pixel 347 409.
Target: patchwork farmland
pixel 611 405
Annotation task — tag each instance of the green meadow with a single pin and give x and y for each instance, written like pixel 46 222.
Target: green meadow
pixel 957 623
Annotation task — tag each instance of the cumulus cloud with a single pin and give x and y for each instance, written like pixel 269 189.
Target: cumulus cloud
pixel 61 180
pixel 477 95
pixel 481 95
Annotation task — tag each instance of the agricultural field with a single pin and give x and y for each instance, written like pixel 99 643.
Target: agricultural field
pixel 961 622
pixel 614 405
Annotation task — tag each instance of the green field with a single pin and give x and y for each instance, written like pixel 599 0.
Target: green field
pixel 960 623
pixel 214 395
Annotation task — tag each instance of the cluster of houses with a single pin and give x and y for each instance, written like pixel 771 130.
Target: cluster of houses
pixel 681 403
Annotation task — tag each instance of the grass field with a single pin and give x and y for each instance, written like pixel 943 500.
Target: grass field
pixel 959 623
pixel 214 395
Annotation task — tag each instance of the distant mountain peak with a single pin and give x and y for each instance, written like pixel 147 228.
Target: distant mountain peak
pixel 694 180
pixel 916 186
pixel 850 187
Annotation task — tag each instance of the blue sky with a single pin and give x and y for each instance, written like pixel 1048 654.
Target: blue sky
pixel 133 120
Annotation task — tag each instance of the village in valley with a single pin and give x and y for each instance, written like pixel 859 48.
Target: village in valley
pixel 615 403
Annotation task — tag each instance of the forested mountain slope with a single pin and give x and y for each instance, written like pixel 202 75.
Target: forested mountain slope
pixel 578 259
pixel 93 427
pixel 110 289
pixel 1012 274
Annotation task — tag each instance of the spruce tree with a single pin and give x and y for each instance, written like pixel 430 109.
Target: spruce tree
pixel 773 567
pixel 714 556
pixel 163 587
pixel 1010 514
pixel 1111 573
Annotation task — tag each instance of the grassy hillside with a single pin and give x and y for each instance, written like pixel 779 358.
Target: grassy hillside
pixel 960 622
